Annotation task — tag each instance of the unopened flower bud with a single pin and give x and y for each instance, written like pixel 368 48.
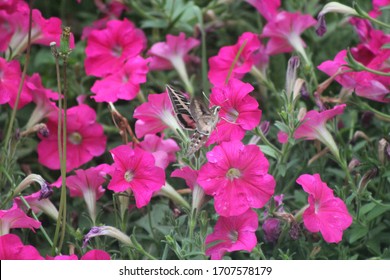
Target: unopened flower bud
pixel 353 164
pixel 291 75
pixel 370 174
pixel 383 149
pixel 366 119
pixel 301 114
pixel 264 126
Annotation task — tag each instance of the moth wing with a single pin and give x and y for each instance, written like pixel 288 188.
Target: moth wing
pixel 181 106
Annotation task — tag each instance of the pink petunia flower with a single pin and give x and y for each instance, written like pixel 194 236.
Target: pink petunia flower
pixel 90 255
pixel 365 84
pixel 96 255
pixel 42 97
pixel 72 257
pixel 313 126
pixel 237 177
pixel 135 169
pixel 108 49
pixel 16 218
pixel 88 185
pixel 163 150
pixel 10 77
pixel 122 84
pixel 285 30
pixel 233 234
pixel 377 5
pixel 155 115
pixel 12 248
pixel 44 31
pixel 85 139
pixel 239 111
pixel 326 213
pixel 173 53
pixel 110 10
pixel 252 53
pixel 9 6
pixel 38 205
pixel 189 175
pixel 267 8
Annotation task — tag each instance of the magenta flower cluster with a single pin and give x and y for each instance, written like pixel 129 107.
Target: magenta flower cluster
pixel 231 170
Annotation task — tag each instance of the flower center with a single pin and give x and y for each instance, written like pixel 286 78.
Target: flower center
pixel 233 173
pixel 233 236
pixel 75 138
pixel 316 207
pixel 129 176
pixel 117 51
pixel 232 115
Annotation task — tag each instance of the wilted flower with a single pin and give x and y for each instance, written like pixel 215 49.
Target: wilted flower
pixel 107 231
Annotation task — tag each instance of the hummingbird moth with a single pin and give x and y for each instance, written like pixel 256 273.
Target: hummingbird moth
pixel 194 115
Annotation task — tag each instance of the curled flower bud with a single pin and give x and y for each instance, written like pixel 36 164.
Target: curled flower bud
pixel 264 126
pixel 367 177
pixel 353 163
pixel 383 150
pixel 28 181
pixel 332 7
pixel 109 231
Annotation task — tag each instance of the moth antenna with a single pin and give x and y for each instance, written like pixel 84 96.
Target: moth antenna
pixel 205 96
pixel 226 120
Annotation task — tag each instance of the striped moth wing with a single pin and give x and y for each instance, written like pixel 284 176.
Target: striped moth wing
pixel 181 106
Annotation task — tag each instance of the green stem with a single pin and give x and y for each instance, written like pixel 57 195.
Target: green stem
pixel 236 58
pixel 378 22
pixel 27 60
pixel 258 75
pixel 36 218
pixel 59 143
pixel 259 133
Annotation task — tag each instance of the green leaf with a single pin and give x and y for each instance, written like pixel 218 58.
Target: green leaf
pixel 367 208
pixel 157 23
pixel 268 151
pixel 357 232
pixel 377 211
